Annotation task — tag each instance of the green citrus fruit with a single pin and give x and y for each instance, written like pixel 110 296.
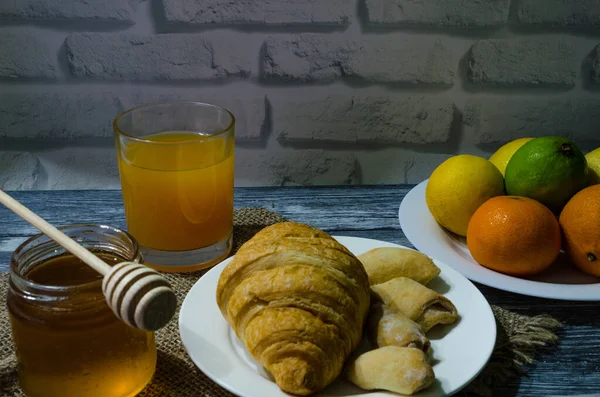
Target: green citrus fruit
pixel 549 169
pixel 458 186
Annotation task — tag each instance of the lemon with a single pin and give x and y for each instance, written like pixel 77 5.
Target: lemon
pixel 549 169
pixel 502 156
pixel 458 186
pixel 593 160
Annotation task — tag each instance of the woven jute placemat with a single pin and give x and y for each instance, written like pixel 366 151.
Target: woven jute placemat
pixel 519 336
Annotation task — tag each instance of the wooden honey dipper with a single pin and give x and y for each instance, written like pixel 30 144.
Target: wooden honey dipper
pixel 138 295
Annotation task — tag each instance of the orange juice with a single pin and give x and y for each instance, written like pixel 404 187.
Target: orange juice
pixel 178 189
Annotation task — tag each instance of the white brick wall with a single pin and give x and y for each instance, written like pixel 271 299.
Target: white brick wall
pixel 324 91
pixel 105 10
pixel 438 13
pixel 260 12
pixel 311 58
pixel 353 119
pixel 122 56
pixel 523 62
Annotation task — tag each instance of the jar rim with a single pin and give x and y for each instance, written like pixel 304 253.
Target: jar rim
pixel 16 275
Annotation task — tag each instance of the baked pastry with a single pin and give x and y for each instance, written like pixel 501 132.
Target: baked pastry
pixel 403 370
pixel 387 327
pixel 298 299
pixel 386 263
pixel 421 304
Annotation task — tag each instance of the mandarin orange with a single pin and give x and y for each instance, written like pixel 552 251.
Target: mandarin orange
pixel 580 222
pixel 514 235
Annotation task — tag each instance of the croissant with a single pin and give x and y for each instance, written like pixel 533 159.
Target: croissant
pixel 298 300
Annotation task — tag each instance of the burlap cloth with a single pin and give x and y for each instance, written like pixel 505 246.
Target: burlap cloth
pixel 519 336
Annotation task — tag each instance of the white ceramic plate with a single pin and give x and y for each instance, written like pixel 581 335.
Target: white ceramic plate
pixel 460 351
pixel 560 281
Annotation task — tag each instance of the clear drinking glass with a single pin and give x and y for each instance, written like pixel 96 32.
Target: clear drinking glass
pixel 176 165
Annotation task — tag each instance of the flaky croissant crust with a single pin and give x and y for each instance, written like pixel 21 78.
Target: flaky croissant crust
pixel 298 300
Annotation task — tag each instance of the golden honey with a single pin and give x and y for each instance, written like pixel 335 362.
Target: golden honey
pixel 68 341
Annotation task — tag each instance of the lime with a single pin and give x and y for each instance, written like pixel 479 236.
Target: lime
pixel 549 169
pixel 458 186
pixel 502 156
pixel 593 160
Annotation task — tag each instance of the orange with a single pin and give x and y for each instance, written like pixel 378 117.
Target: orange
pixel 514 235
pixel 580 221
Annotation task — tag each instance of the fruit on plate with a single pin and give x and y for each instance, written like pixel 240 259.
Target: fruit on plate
pixel 593 160
pixel 548 169
pixel 580 222
pixel 458 186
pixel 502 156
pixel 514 235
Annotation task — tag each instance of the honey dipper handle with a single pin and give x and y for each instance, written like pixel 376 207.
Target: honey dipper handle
pixel 69 244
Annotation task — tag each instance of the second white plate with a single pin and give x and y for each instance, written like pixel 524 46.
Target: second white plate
pixel 560 281
pixel 460 351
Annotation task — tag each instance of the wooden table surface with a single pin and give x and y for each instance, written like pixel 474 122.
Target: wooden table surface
pixel 570 369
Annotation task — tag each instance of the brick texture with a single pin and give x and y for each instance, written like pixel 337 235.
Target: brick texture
pixel 365 119
pixel 81 168
pixel 394 166
pixel 25 55
pixel 18 171
pixel 321 58
pixel 289 168
pixel 563 13
pixel 113 56
pixel 250 113
pixel 438 13
pixel 57 115
pixel 106 10
pixel 493 120
pixel 323 91
pixel 596 65
pixel 260 12
pixel 523 62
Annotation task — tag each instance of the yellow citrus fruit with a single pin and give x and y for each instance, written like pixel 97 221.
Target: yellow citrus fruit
pixel 458 186
pixel 502 156
pixel 593 160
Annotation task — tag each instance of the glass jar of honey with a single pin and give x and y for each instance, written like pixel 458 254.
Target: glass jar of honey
pixel 68 342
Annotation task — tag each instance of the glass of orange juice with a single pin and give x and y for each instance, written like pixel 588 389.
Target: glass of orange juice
pixel 176 164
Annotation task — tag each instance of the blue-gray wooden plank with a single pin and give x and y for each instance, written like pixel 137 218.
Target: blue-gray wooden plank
pixel 329 208
pixel 572 368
